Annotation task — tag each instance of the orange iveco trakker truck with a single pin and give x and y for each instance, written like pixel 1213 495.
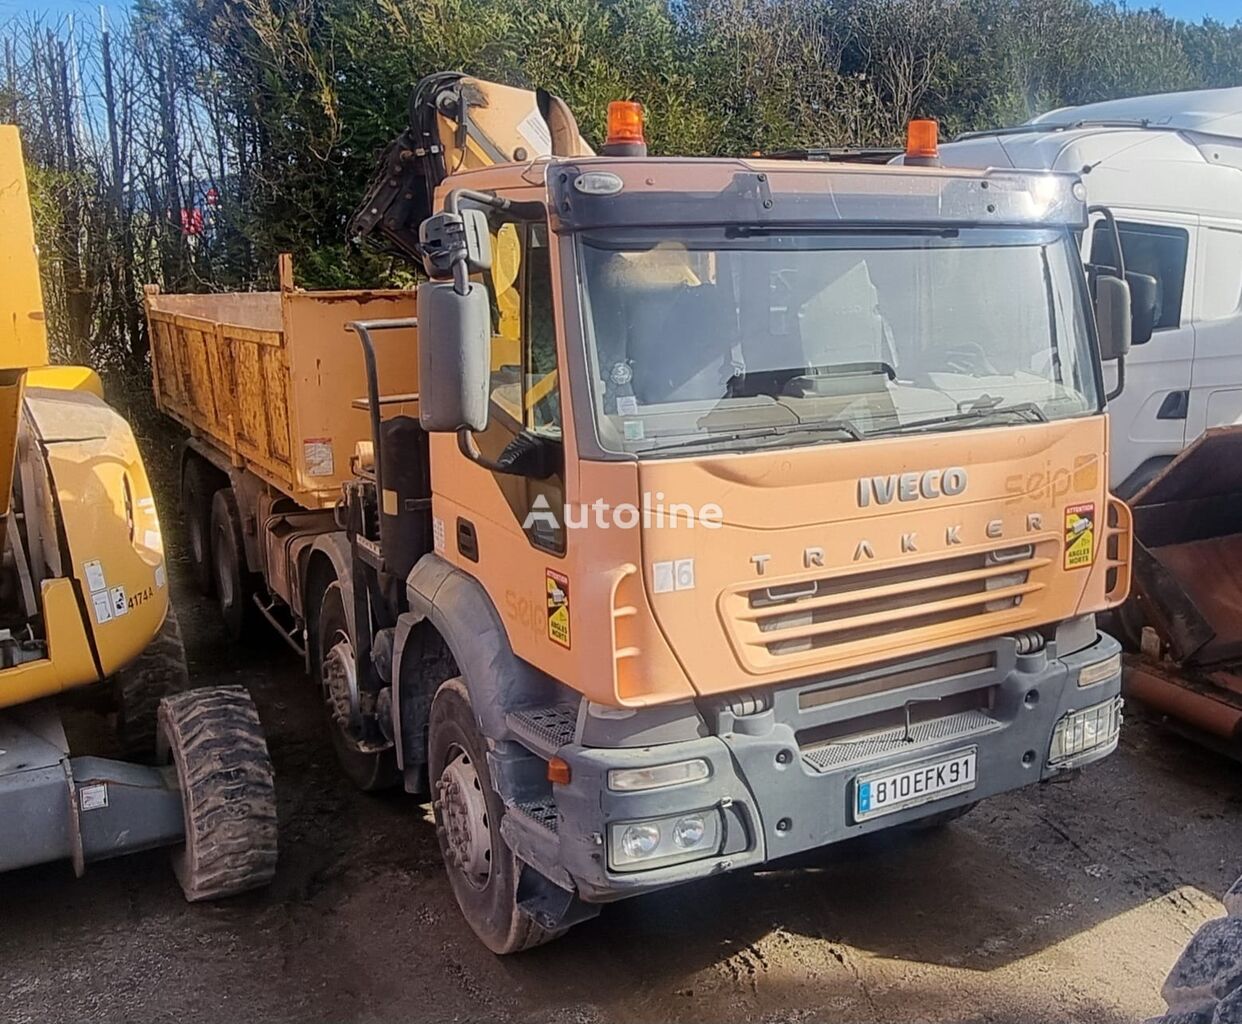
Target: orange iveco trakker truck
pixel 694 513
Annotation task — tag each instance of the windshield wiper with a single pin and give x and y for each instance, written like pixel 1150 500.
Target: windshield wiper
pixel 980 408
pixel 838 426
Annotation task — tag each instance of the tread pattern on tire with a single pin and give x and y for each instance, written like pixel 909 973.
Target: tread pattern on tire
pixel 228 790
pixel 524 932
pixel 156 673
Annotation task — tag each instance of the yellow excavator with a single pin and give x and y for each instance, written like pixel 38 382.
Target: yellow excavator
pixel 83 601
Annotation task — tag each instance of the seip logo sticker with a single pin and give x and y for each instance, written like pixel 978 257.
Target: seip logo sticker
pixel 1079 535
pixel 558 607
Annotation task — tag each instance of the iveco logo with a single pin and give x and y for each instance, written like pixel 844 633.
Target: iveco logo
pixel 883 490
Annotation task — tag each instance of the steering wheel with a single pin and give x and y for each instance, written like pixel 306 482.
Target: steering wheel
pixel 970 358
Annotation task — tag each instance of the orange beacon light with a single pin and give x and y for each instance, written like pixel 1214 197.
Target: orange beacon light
pixel 922 143
pixel 625 129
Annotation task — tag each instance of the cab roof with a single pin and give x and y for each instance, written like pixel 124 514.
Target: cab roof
pixel 717 190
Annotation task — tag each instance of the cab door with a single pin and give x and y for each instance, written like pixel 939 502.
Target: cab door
pixel 1149 418
pixel 1216 385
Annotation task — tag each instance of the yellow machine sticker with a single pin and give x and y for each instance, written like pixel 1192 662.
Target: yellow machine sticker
pixel 558 607
pixel 1079 535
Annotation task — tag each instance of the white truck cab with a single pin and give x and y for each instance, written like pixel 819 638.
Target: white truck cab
pixel 1169 168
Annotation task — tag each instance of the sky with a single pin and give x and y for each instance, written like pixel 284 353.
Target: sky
pixel 1192 10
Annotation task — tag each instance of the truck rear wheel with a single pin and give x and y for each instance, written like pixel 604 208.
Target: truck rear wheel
pixel 197 491
pixel 482 870
pixel 369 770
pixel 234 583
pixel 213 738
pixel 156 673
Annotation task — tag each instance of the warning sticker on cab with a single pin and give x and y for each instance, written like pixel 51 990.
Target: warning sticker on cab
pixel 1079 535
pixel 558 608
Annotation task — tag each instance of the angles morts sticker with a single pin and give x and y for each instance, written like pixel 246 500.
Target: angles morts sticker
pixel 1079 535
pixel 558 607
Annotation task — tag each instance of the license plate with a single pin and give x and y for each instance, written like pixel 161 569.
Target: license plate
pixel 907 785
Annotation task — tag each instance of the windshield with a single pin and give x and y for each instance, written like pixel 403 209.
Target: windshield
pixel 739 338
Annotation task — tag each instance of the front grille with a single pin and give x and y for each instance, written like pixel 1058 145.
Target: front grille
pixel 836 754
pixel 907 602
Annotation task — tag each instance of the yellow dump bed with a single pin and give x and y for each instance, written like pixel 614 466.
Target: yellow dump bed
pixel 274 380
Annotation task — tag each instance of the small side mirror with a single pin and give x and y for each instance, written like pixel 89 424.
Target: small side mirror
pixel 1144 301
pixel 445 238
pixel 1112 317
pixel 454 338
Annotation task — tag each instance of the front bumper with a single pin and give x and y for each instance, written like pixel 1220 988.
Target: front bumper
pixel 782 778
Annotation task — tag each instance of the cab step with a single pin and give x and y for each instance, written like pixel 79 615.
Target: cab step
pixel 544 730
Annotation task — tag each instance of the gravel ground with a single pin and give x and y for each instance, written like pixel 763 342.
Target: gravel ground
pixel 1063 902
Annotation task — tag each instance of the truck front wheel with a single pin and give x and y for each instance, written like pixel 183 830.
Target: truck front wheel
pixel 482 870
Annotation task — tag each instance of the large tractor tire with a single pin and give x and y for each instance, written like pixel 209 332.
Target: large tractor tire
pixel 235 584
pixel 228 791
pixel 199 483
pixel 139 687
pixel 482 870
pixel 369 770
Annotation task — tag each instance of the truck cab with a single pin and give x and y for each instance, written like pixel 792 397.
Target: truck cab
pixel 700 511
pixel 790 484
pixel 1169 168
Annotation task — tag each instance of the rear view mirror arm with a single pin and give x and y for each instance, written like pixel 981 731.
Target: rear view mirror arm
pixel 1121 380
pixel 363 329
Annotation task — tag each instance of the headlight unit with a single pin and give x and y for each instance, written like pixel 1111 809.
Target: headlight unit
pixel 1085 732
pixel 659 842
pixel 1089 675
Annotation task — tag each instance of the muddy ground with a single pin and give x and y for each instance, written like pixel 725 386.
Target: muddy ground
pixel 1063 902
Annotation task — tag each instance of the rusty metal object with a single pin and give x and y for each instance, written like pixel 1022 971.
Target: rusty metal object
pixel 1186 696
pixel 1188 586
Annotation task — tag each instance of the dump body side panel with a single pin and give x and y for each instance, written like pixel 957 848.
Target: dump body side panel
pixel 275 381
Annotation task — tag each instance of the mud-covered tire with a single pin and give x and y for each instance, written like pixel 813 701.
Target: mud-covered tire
pixel 234 582
pixel 156 673
pixel 228 791
pixel 369 771
pixel 199 484
pixel 490 909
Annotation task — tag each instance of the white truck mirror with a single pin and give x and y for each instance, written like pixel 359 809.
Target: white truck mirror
pixel 454 336
pixel 1112 317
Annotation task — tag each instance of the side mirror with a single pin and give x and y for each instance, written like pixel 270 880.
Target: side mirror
pixel 1112 317
pixel 445 238
pixel 1144 301
pixel 454 340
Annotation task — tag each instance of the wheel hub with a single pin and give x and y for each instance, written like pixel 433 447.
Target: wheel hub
pixel 463 820
pixel 340 686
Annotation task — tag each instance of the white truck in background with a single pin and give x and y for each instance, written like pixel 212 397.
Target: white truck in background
pixel 1169 167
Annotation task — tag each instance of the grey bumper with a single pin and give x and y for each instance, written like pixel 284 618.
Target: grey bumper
pixel 782 779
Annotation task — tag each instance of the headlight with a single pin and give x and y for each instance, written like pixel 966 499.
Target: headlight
pixel 1081 732
pixel 631 780
pixel 658 842
pixel 1089 675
